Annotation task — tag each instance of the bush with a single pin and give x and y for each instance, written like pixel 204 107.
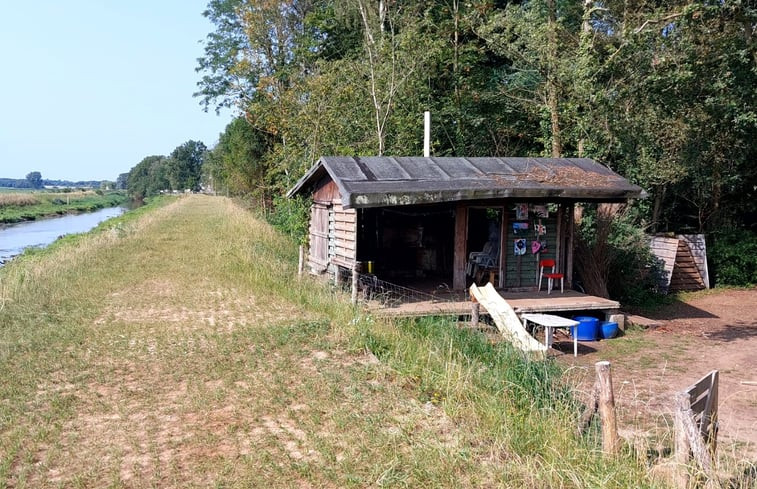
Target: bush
pixel 732 255
pixel 291 216
pixel 613 257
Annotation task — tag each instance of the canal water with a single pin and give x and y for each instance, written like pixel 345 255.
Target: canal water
pixel 16 237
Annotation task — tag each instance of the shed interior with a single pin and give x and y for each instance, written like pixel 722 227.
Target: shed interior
pixel 409 245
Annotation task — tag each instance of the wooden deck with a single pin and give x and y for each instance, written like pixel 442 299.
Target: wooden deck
pixel 521 302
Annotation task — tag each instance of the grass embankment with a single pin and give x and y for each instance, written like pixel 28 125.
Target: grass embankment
pixel 26 206
pixel 176 348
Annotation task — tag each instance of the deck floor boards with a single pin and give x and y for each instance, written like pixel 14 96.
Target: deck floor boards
pixel 521 302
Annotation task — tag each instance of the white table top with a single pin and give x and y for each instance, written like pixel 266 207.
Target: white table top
pixel 549 320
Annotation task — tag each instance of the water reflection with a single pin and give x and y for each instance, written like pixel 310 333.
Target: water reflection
pixel 16 237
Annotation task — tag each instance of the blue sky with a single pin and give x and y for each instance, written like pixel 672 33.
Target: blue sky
pixel 89 88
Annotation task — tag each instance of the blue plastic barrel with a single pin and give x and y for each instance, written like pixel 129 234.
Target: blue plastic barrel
pixel 587 329
pixel 609 329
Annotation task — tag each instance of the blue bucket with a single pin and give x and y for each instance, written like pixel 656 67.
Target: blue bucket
pixel 587 329
pixel 609 329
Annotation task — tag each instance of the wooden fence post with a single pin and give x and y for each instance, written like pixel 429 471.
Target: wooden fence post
pixel 354 284
pixel 682 447
pixel 610 440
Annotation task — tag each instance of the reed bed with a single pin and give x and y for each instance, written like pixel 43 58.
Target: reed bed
pixel 18 199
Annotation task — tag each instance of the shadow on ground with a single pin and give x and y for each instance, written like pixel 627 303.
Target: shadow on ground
pixel 733 332
pixel 678 310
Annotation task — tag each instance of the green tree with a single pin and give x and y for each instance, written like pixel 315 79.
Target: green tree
pixel 148 177
pixel 184 166
pixel 34 179
pixel 236 162
pixel 122 181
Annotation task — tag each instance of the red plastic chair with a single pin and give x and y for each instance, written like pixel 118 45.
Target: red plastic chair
pixel 551 275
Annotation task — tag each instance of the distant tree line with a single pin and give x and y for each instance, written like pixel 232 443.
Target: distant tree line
pixel 662 92
pixel 34 180
pixel 180 171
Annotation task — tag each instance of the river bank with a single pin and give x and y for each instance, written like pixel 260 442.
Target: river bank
pixel 16 237
pixel 29 206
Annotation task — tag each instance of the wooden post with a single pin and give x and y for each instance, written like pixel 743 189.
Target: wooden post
pixel 354 283
pixel 610 440
pixel 301 264
pixel 475 314
pixel 682 447
pixel 570 229
pixel 459 258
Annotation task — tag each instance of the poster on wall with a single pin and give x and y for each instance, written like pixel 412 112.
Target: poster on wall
pixel 521 212
pixel 541 211
pixel 519 247
pixel 541 229
pixel 520 227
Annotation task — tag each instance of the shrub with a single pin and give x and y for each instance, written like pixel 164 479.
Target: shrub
pixel 290 216
pixel 613 256
pixel 732 255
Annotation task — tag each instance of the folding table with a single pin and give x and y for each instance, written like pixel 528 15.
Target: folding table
pixel 550 322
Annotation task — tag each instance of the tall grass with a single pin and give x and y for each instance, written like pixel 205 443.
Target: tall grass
pixel 19 199
pixel 175 347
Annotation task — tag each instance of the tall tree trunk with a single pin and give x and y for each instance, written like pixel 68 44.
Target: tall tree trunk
pixel 659 196
pixel 552 89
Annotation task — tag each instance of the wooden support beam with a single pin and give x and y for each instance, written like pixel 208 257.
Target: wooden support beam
pixel 461 235
pixel 570 230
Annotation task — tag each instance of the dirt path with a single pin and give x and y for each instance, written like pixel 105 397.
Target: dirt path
pixel 714 330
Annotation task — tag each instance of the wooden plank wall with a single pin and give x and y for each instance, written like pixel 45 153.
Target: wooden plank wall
pixel 684 260
pixel 345 235
pixel 333 230
pixel 665 249
pixel 318 254
pixel 698 250
pixel 522 272
pixel 685 274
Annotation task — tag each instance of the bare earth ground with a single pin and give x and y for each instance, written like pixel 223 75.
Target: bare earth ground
pixel 711 330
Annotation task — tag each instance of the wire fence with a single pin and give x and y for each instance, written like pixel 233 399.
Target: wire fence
pixel 388 294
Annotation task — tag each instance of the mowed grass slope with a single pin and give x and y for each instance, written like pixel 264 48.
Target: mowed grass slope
pixel 176 348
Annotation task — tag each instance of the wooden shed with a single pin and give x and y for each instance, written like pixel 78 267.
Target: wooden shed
pixel 416 221
pixel 684 261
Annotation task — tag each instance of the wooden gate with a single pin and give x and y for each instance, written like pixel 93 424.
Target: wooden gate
pixel 696 413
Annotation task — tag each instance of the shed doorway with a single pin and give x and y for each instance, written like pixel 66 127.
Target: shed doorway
pixel 484 243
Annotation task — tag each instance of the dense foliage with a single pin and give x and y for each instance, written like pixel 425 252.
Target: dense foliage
pixel 733 257
pixel 180 171
pixel 662 92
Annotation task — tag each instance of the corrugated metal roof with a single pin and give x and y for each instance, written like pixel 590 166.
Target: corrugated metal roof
pixel 387 181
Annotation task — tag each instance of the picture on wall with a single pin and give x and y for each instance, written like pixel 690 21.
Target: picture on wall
pixel 521 212
pixel 541 211
pixel 519 247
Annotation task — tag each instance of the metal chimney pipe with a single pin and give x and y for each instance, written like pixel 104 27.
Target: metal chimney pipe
pixel 427 134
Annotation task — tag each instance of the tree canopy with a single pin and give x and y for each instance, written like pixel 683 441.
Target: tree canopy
pixel 662 92
pixel 180 171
